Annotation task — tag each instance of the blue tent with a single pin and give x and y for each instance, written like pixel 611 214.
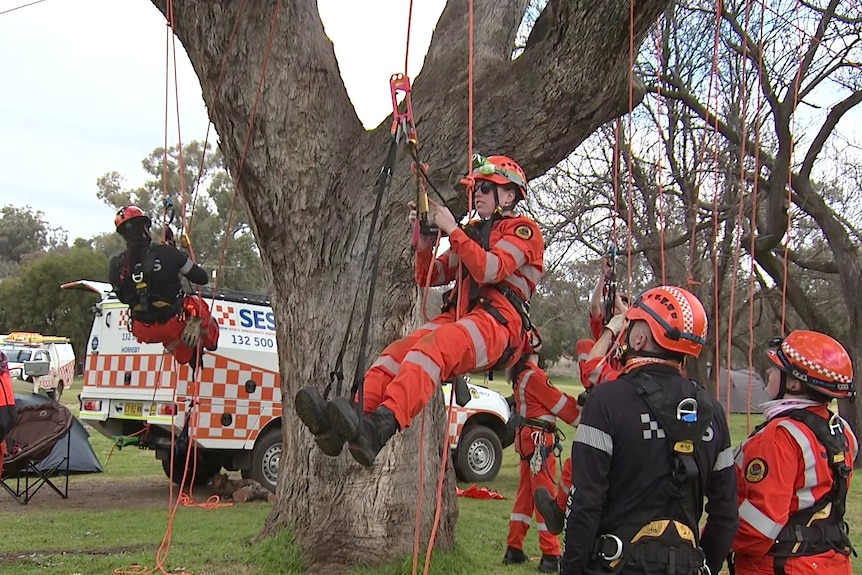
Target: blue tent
pixel 82 458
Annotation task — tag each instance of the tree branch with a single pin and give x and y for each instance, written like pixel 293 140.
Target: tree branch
pixel 835 115
pixel 825 266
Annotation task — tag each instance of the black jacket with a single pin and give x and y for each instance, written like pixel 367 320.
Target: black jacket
pixel 162 276
pixel 621 461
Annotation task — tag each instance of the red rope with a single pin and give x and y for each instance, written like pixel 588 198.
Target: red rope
pixel 181 164
pixel 247 144
pixel 659 173
pixel 469 186
pixel 630 160
pixel 221 74
pixel 716 282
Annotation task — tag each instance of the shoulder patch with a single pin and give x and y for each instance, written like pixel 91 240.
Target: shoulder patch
pixel 549 383
pixel 756 470
pixel 524 232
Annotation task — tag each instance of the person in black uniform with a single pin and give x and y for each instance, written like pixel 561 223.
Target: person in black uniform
pixel 146 277
pixel 651 445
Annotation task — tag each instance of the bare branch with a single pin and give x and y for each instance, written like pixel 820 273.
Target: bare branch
pixel 835 115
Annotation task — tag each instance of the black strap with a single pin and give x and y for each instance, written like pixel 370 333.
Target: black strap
pixel 683 490
pixel 336 376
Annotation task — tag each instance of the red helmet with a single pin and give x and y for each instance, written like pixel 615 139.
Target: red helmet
pixel 675 317
pixel 128 214
pixel 816 360
pixel 501 170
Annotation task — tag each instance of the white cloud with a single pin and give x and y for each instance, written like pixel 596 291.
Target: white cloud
pixel 83 92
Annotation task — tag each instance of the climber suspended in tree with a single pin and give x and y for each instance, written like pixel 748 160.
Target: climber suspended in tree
pixel 496 261
pixel 147 278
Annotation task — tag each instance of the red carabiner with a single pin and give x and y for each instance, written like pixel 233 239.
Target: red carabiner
pixel 399 83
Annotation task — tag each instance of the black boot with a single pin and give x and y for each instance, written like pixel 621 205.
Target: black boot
pixel 555 518
pixel 311 409
pixel 549 564
pixel 513 556
pixel 366 434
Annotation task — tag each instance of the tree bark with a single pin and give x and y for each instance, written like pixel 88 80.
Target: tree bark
pixel 306 182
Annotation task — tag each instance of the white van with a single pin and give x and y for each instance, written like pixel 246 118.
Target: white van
pixel 134 393
pixel 24 347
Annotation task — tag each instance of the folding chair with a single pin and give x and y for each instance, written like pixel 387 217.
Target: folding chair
pixel 40 427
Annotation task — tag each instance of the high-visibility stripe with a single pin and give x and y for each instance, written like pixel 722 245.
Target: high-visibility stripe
pixel 427 364
pixel 522 393
pixel 520 284
pixel 558 407
pixel 532 273
pixel 596 373
pixel 454 260
pixel 739 458
pixel 724 459
pixel 430 326
pixel 513 250
pixel 479 345
pixel 759 520
pixel 520 517
pixel 187 267
pixel 492 268
pixel 387 363
pixel 595 437
pixel 804 493
pixel 547 417
pixel 541 527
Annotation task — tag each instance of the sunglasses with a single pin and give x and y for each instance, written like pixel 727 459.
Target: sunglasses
pixel 486 187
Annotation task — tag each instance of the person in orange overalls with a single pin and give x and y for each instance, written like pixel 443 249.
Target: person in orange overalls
pixel 496 262
pixel 146 277
pixel 8 413
pixel 539 404
pixel 794 471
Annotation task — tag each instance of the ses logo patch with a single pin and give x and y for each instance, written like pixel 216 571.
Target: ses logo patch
pixel 230 315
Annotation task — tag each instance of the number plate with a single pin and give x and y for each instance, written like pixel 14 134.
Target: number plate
pixel 133 410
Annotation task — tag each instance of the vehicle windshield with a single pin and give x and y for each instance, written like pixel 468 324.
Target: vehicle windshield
pixel 17 355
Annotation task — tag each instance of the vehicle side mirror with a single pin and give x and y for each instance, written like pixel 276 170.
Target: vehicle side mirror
pixel 37 368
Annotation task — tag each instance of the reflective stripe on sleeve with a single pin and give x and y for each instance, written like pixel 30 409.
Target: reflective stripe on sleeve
pixel 757 519
pixel 724 459
pixel 558 407
pixel 513 250
pixel 492 268
pixel 187 267
pixel 595 437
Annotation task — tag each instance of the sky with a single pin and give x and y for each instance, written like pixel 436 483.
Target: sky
pixel 83 92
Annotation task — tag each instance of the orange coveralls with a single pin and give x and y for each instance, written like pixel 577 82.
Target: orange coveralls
pixel 780 470
pixel 537 399
pixel 170 333
pixel 407 373
pixel 7 404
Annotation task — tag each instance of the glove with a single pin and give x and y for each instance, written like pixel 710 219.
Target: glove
pixel 615 325
pixel 192 332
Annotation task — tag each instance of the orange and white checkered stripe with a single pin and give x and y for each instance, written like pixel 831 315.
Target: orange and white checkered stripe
pixel 146 371
pixel 225 314
pixel 457 419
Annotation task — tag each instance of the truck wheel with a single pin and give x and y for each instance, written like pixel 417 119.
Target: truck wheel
pixel 479 455
pixel 265 459
pixel 205 470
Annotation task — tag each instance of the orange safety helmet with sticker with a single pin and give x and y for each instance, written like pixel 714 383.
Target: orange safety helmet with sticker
pixel 675 317
pixel 815 359
pixel 126 215
pixel 500 170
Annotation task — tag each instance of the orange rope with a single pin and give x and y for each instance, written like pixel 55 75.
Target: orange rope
pixel 469 187
pixel 716 287
pixel 180 163
pixel 659 174
pixel 247 144
pixel 753 223
pixel 790 180
pixel 222 71
pixel 630 160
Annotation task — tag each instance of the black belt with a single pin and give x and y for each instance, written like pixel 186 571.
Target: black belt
pixel 540 424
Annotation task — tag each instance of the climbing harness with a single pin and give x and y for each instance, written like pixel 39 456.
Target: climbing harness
pixel 669 536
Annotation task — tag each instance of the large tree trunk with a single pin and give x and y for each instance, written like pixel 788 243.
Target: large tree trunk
pixel 306 181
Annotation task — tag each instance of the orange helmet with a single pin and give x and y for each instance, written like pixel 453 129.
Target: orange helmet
pixel 501 170
pixel 128 214
pixel 816 360
pixel 675 317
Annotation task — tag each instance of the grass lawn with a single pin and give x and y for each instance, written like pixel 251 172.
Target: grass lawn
pixel 88 543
